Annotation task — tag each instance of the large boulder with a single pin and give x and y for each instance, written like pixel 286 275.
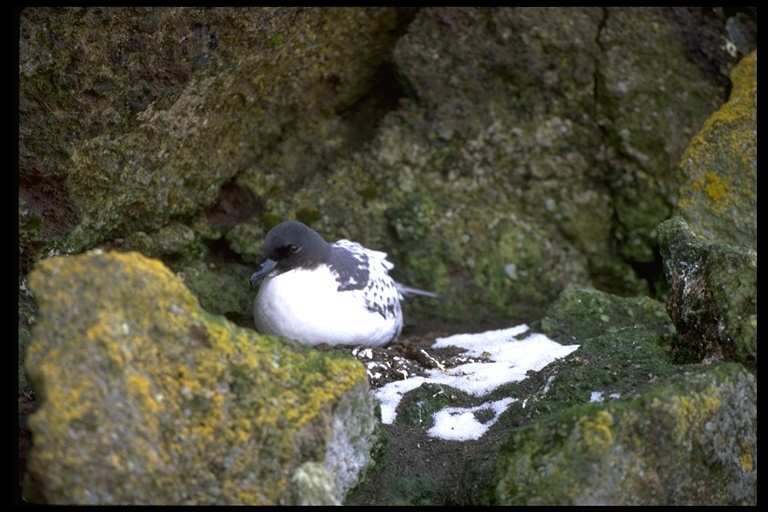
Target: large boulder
pixel 689 441
pixel 718 171
pixel 144 398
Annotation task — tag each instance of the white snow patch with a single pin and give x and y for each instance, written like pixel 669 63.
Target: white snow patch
pixel 509 361
pixel 599 396
pixel 390 394
pixel 461 424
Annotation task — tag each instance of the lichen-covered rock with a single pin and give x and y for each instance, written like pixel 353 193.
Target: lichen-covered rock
pixel 548 167
pixel 649 90
pixel 623 363
pixel 313 485
pixel 624 345
pixel 621 350
pixel 131 118
pixel 580 313
pixel 691 440
pixel 712 295
pixel 661 434
pixel 497 154
pixel 718 172
pixel 147 399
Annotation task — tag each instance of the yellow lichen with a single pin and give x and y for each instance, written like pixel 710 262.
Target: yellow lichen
pixel 141 387
pixel 715 188
pixel 745 458
pixel 744 74
pixel 719 164
pixel 190 383
pixel 598 430
pixel 691 411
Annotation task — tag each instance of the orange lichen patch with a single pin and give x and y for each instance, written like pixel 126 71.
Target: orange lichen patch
pixel 142 388
pixel 715 187
pixel 743 98
pixel 743 75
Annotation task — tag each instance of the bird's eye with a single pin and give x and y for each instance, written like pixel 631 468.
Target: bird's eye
pixel 293 248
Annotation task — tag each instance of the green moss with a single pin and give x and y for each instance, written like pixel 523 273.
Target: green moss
pixel 410 214
pixel 580 313
pixel 418 407
pixel 276 39
pixel 271 220
pixel 369 192
pixel 247 239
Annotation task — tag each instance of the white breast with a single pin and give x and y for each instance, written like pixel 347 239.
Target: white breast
pixel 305 306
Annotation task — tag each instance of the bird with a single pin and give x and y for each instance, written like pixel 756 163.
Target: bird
pixel 317 292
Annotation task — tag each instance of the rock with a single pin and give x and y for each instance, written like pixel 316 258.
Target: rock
pixel 709 248
pixel 624 347
pixel 500 155
pixel 660 433
pixel 649 85
pixel 466 142
pixel 581 312
pixel 147 399
pixel 193 96
pixel 691 440
pixel 718 172
pixel 712 296
pixel 313 485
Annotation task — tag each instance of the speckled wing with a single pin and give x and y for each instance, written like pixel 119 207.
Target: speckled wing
pixel 369 273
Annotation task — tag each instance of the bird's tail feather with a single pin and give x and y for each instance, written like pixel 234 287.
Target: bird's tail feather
pixel 408 290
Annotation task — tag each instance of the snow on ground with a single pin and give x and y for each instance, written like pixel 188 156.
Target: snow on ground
pixel 509 359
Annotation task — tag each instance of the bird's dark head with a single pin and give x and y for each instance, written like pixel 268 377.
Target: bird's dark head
pixel 291 245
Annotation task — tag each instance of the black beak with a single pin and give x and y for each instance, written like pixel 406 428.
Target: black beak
pixel 264 269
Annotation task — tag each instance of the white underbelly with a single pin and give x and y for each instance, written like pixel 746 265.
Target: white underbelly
pixel 306 306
